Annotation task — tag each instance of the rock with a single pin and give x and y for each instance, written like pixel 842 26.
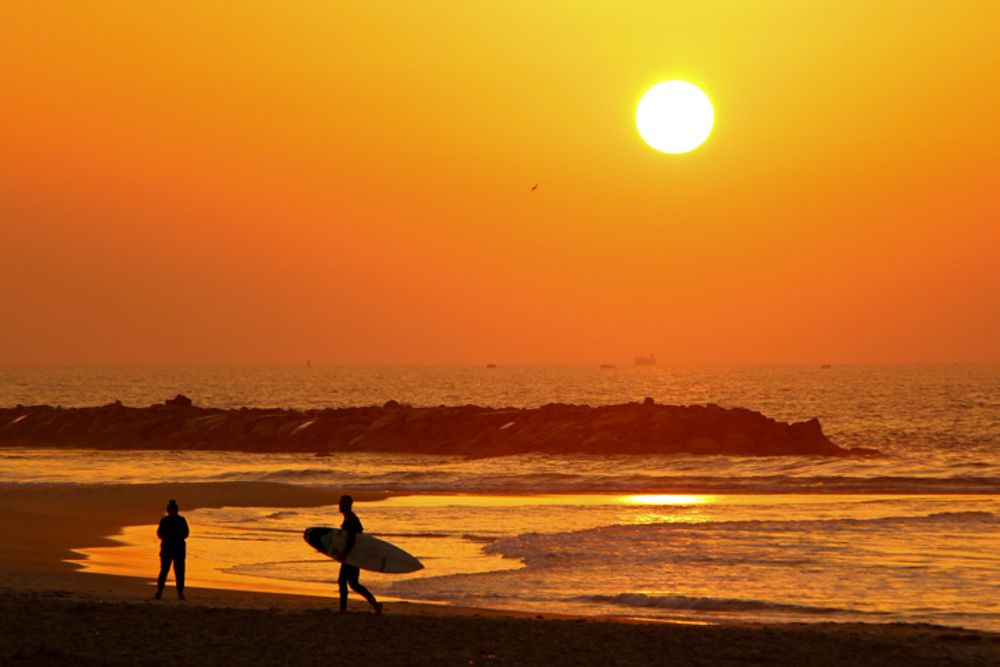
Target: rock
pixel 468 430
pixel 703 445
pixel 178 401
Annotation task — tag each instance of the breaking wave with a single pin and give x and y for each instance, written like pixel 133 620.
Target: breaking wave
pixel 444 480
pixel 544 549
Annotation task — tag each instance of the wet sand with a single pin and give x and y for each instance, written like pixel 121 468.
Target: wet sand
pixel 54 614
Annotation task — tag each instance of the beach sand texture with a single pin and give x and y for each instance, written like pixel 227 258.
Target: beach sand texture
pixel 55 615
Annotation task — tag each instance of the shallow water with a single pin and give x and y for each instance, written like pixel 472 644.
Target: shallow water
pixel 688 557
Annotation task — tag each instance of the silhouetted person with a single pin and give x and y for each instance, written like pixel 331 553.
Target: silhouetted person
pixel 172 532
pixel 348 573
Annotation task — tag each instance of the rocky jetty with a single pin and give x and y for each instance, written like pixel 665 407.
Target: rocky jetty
pixel 631 428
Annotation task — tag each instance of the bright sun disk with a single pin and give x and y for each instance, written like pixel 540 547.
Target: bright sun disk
pixel 675 117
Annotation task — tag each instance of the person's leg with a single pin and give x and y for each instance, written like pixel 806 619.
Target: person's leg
pixel 342 583
pixel 161 580
pixel 364 592
pixel 179 568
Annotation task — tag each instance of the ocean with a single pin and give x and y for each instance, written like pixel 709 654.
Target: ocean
pixel 913 535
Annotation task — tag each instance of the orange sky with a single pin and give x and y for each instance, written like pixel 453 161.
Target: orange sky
pixel 217 182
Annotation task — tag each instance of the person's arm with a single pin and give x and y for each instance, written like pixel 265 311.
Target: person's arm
pixel 184 529
pixel 349 545
pixel 352 526
pixel 159 529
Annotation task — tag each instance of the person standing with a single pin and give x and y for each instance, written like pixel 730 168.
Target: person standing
pixel 349 574
pixel 172 532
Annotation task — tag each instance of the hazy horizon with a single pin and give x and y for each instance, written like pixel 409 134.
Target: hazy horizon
pixel 480 364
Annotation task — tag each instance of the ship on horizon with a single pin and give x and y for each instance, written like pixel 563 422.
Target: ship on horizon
pixel 645 360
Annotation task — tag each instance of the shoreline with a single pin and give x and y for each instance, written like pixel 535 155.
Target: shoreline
pixel 40 526
pixel 85 516
pixel 31 560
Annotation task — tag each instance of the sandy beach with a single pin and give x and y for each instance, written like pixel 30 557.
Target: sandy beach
pixel 55 614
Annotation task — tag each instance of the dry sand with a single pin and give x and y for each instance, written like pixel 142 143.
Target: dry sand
pixel 53 614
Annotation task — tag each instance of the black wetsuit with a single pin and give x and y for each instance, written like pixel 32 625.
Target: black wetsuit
pixel 172 532
pixel 348 573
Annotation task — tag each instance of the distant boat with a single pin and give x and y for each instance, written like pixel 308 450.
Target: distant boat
pixel 826 366
pixel 491 365
pixel 645 360
pixel 607 365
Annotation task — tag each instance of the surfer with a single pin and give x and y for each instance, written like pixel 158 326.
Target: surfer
pixel 172 532
pixel 348 573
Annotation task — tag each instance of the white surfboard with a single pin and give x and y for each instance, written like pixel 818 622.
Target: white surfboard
pixel 368 553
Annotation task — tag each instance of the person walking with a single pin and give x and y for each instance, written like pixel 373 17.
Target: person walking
pixel 173 530
pixel 349 574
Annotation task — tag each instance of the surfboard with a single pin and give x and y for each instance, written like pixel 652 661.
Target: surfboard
pixel 368 553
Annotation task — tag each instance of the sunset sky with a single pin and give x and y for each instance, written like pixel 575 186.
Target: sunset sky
pixel 350 182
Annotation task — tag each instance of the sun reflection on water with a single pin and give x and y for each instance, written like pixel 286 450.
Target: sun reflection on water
pixel 667 499
pixel 667 507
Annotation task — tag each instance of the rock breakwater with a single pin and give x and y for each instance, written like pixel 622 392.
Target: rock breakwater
pixel 630 428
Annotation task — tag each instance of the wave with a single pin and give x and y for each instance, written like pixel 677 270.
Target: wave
pixel 290 475
pixel 682 602
pixel 543 549
pixel 445 481
pixel 954 518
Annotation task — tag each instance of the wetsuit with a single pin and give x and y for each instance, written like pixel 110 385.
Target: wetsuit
pixel 348 573
pixel 172 532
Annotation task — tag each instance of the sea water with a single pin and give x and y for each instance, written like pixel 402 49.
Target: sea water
pixel 910 536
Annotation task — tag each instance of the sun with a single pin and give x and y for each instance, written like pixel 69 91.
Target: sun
pixel 675 117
